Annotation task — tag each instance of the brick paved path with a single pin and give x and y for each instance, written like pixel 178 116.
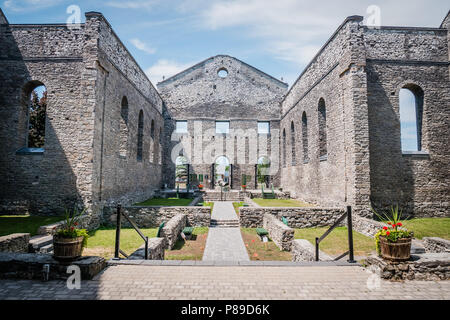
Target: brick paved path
pixel 177 282
pixel 224 244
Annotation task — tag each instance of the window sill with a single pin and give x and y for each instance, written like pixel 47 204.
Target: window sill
pixel 30 151
pixel 416 154
pixel 323 158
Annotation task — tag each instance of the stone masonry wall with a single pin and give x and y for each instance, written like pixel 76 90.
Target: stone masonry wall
pixel 252 217
pixel 17 242
pixel 337 76
pixel 199 96
pixel 152 217
pixel 172 229
pixel 280 234
pixel 399 57
pixel 52 55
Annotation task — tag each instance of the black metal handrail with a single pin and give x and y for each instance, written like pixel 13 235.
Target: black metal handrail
pixel 118 228
pixel 348 215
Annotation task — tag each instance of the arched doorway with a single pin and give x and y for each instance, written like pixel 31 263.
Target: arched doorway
pixel 222 176
pixel 262 172
pixel 181 172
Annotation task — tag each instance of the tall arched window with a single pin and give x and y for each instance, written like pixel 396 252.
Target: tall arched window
pixel 160 146
pixel 152 142
pixel 140 135
pixel 305 138
pixel 411 115
pixel 35 95
pixel 294 162
pixel 123 127
pixel 322 112
pixel 284 148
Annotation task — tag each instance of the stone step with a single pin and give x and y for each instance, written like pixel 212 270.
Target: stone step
pixel 37 242
pixel 46 249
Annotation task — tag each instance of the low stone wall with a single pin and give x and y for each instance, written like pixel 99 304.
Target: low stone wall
pixel 31 266
pixel 152 217
pixel 156 247
pixel 250 217
pixel 303 250
pixel 172 230
pixel 436 245
pixel 427 266
pixel 50 228
pixel 280 234
pixel 17 242
pixel 366 226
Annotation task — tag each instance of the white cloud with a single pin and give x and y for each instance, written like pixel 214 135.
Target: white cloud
pixel 139 4
pixel 142 46
pixel 165 68
pixel 29 5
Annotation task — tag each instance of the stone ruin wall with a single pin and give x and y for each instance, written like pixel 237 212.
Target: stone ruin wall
pixel 201 97
pixel 396 57
pixel 342 178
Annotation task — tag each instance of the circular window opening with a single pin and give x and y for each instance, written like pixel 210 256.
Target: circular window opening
pixel 223 73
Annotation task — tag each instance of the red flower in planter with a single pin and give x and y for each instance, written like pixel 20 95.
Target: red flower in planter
pixel 388 233
pixel 385 228
pixel 253 240
pixel 399 224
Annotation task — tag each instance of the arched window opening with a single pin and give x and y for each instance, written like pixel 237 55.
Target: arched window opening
pixel 411 115
pixel 123 134
pixel 160 146
pixel 294 162
pixel 181 172
pixel 305 138
pixel 36 101
pixel 322 130
pixel 140 136
pixel 263 170
pixel 284 148
pixel 222 171
pixel 152 142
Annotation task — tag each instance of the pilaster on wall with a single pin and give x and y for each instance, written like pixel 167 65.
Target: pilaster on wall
pixel 90 82
pixel 354 85
pixel 446 25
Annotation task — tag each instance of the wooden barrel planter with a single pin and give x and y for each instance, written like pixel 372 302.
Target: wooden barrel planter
pixel 396 251
pixel 67 248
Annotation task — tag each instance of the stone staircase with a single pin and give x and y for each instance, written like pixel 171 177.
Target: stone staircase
pixel 224 223
pixel 41 244
pixel 225 196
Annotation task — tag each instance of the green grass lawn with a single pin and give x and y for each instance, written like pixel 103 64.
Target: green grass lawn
pixel 24 224
pixel 260 251
pixel 169 202
pixel 101 242
pixel 237 205
pixel 209 204
pixel 337 241
pixel 281 203
pixel 429 227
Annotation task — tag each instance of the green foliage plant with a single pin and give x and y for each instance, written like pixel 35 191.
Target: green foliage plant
pixel 395 229
pixel 70 228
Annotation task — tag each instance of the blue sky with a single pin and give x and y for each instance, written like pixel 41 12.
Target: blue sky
pixel 279 36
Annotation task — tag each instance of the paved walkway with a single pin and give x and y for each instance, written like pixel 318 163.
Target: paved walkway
pixel 128 282
pixel 224 244
pixel 223 210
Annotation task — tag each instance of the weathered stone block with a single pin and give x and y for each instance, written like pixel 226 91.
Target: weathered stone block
pixel 17 242
pixel 172 230
pixel 156 249
pixel 303 250
pixel 280 234
pixel 436 245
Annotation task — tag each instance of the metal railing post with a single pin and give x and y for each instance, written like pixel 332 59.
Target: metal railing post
pixel 118 226
pixel 146 248
pixel 317 249
pixel 350 235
